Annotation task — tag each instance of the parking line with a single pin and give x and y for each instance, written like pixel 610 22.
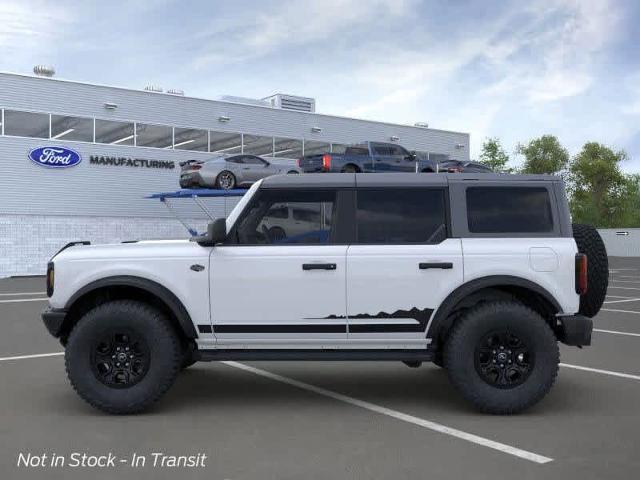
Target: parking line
pixel 620 311
pixel 21 293
pixel 38 355
pixel 616 332
pixel 508 449
pixel 604 372
pixel 624 288
pixel 625 281
pixel 623 301
pixel 24 300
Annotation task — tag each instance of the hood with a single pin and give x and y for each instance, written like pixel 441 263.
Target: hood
pixel 140 249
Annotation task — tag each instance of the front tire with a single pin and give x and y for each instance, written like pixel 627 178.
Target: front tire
pixel 122 356
pixel 502 357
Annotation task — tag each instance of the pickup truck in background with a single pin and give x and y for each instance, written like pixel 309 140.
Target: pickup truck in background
pixel 369 157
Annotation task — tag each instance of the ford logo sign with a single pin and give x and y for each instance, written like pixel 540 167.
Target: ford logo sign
pixel 55 157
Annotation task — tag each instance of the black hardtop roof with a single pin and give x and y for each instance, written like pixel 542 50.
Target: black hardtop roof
pixel 345 180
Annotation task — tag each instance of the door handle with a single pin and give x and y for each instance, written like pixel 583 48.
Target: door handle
pixel 441 265
pixel 319 266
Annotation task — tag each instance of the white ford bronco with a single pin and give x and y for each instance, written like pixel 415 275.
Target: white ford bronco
pixel 481 274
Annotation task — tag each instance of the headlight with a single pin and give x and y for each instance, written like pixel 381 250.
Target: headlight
pixel 50 279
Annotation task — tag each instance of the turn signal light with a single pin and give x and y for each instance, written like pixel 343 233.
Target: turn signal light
pixel 326 162
pixel 581 274
pixel 50 279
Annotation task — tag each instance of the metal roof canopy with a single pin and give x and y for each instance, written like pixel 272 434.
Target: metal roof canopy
pixel 195 195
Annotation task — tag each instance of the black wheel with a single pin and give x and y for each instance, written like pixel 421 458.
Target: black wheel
pixel 413 363
pixel 189 356
pixel 590 243
pixel 122 356
pixel 502 356
pixel 350 169
pixel 226 180
pixel 293 172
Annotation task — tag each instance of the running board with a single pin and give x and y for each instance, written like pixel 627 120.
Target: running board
pixel 316 355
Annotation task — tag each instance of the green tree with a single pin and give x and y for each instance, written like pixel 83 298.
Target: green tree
pixel 494 156
pixel 601 194
pixel 544 155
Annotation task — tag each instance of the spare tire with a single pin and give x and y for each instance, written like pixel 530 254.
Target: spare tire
pixel 590 243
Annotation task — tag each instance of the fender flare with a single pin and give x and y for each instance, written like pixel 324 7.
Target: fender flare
pixel 162 293
pixel 440 316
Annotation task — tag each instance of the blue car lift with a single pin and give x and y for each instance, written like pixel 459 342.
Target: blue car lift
pixel 194 194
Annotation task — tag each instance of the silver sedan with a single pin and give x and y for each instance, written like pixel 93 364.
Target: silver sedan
pixel 227 172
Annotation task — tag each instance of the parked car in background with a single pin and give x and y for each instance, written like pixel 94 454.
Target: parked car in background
pixel 462 166
pixel 368 157
pixel 232 171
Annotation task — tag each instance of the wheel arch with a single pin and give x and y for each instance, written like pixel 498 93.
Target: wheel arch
pixel 132 287
pixel 354 165
pixel 495 287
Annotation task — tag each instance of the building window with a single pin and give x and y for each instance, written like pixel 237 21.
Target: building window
pixel 257 145
pixel 71 128
pixel 312 147
pixel 26 124
pixel 158 136
pixel 190 139
pixel 225 142
pixel 338 148
pixel 287 148
pixel 114 133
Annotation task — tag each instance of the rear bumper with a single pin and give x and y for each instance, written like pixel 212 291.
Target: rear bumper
pixel 53 319
pixel 575 330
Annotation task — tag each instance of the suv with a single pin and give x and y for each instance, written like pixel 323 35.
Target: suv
pixel 480 274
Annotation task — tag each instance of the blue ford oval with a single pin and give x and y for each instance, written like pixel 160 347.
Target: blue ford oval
pixel 55 157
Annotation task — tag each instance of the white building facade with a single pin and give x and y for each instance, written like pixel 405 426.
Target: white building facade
pixel 129 144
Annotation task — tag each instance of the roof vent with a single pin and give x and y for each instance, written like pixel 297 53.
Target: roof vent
pixel 44 70
pixel 292 102
pixel 175 91
pixel 421 124
pixel 153 88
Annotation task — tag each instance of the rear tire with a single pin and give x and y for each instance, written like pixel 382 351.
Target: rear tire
pixel 122 356
pixel 502 357
pixel 590 243
pixel 226 180
pixel 350 169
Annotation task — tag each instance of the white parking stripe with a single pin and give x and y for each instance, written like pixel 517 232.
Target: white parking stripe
pixel 524 454
pixel 619 311
pixel 613 277
pixel 604 372
pixel 616 332
pixel 24 300
pixel 623 301
pixel 625 281
pixel 38 355
pixel 21 293
pixel 623 288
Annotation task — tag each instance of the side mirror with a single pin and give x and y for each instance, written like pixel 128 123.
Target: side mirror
pixel 216 233
pixel 411 157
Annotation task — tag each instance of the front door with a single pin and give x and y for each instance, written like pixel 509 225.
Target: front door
pixel 280 279
pixel 401 267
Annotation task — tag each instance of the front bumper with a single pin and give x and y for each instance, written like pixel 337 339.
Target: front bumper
pixel 53 319
pixel 575 330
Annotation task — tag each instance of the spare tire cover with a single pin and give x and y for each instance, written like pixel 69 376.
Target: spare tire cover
pixel 590 243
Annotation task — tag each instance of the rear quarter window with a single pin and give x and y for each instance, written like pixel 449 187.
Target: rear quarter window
pixel 509 210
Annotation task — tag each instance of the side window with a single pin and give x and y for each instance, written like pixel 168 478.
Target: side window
pixel 381 150
pixel 236 159
pixel 267 220
pixel 509 210
pixel 251 160
pixel 401 216
pixel 397 150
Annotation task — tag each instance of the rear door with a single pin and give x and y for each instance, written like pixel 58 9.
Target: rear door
pixel 402 265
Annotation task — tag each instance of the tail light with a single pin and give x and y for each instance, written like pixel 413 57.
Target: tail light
pixel 454 170
pixel 326 162
pixel 581 274
pixel 195 166
pixel 50 279
pixel 299 162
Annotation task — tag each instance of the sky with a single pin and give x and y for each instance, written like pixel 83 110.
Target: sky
pixel 508 69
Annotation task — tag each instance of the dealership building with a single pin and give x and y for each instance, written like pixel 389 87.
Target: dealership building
pixel 127 144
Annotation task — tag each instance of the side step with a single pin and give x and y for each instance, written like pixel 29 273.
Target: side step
pixel 317 355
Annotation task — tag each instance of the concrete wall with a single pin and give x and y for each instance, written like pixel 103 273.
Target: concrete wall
pixel 621 242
